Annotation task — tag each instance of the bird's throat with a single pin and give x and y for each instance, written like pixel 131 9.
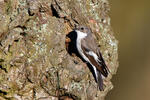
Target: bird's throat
pixel 81 35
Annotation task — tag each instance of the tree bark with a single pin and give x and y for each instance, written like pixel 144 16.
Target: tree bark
pixel 34 62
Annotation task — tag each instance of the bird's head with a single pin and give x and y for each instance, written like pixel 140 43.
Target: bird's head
pixel 83 29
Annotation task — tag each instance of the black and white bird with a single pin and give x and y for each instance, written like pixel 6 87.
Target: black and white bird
pixel 90 52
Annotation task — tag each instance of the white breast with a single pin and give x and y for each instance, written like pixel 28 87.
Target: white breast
pixel 81 35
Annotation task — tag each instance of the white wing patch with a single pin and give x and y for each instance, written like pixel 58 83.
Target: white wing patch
pixel 91 53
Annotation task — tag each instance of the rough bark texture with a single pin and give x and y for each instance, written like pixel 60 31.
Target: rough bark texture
pixel 34 62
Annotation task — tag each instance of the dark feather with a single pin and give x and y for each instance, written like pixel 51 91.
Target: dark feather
pixel 100 81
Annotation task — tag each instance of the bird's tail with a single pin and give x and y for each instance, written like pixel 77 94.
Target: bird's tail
pixel 99 81
pixel 98 78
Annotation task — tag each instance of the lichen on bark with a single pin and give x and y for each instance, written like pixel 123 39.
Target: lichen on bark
pixel 34 62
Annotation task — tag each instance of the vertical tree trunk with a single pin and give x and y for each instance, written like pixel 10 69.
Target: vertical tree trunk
pixel 34 62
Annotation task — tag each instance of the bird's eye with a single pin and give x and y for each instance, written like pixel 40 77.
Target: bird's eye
pixel 82 28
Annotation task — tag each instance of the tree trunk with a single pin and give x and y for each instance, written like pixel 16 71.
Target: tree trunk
pixel 34 61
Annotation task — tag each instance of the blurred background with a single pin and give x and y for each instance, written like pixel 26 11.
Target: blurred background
pixel 130 20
